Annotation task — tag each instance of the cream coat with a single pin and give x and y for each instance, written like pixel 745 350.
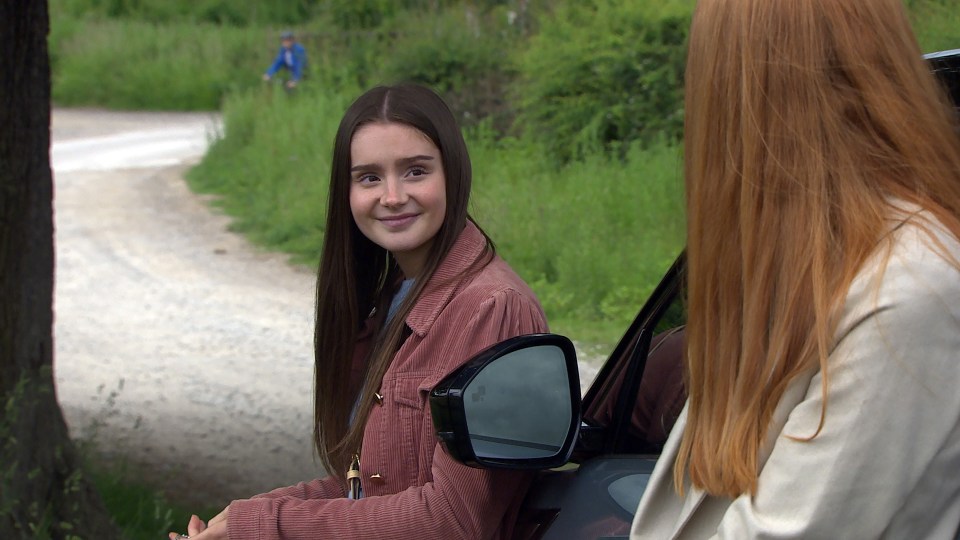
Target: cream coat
pixel 887 463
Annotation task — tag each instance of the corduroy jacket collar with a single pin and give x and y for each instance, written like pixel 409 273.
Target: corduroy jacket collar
pixel 449 277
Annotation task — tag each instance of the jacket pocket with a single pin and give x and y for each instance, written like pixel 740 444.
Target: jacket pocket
pixel 403 418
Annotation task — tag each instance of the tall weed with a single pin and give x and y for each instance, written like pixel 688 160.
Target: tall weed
pixel 593 237
pixel 139 65
pixel 273 164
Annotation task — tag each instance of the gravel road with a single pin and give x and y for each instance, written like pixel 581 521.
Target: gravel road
pixel 181 349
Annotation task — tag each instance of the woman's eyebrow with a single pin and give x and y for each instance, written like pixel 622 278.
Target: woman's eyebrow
pixel 401 161
pixel 414 159
pixel 365 167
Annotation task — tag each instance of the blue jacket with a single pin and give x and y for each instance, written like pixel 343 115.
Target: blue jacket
pixel 294 59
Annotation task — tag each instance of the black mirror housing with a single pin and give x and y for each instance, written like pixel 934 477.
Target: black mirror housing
pixel 515 405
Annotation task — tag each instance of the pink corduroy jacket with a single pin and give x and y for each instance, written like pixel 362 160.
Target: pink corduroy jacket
pixel 411 487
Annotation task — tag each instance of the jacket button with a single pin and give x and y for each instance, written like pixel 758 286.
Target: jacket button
pixel 378 398
pixel 376 476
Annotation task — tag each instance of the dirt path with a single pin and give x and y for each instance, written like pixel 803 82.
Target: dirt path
pixel 180 349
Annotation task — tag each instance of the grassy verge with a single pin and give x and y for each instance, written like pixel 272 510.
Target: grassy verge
pixel 141 65
pixel 935 22
pixel 273 166
pixel 592 238
pixel 139 510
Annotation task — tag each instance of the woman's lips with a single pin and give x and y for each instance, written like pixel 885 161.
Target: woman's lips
pixel 398 222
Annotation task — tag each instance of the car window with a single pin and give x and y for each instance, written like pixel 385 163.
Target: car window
pixel 946 66
pixel 633 411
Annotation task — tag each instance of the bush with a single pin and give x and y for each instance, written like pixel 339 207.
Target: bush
pixel 249 12
pixel 359 14
pixel 602 74
pixel 464 55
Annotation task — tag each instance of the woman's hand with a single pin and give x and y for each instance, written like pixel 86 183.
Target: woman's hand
pixel 222 516
pixel 194 527
pixel 215 529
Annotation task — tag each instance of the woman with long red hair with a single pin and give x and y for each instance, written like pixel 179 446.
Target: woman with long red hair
pixel 822 169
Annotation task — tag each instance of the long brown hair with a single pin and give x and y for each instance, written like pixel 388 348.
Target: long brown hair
pixel 356 275
pixel 805 119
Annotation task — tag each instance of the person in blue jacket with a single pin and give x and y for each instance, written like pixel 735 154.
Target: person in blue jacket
pixel 292 57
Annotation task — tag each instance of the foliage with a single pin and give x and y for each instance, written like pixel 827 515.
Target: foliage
pixel 360 14
pixel 603 73
pixel 592 237
pixel 220 12
pixel 273 164
pixel 137 65
pixel 461 54
pixel 935 23
pixel 138 510
pixel 59 515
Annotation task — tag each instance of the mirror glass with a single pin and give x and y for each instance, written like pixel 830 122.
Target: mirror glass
pixel 519 405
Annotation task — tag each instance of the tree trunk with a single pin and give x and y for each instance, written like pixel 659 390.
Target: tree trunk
pixel 42 491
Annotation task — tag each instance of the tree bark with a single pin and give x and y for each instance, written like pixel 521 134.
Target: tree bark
pixel 43 493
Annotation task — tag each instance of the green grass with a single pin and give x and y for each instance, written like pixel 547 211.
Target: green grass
pixel 141 65
pixel 139 510
pixel 936 24
pixel 592 238
pixel 272 167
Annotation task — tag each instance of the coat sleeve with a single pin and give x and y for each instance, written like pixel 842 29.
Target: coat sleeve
pixel 276 65
pixel 459 502
pixel 299 62
pixel 322 488
pixel 890 438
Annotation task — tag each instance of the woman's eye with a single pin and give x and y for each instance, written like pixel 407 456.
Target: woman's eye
pixel 417 171
pixel 367 179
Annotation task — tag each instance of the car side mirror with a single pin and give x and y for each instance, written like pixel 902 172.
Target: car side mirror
pixel 515 405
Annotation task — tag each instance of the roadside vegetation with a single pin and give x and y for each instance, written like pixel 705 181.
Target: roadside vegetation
pixel 139 511
pixel 572 111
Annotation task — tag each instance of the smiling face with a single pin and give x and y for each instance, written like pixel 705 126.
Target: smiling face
pixel 397 191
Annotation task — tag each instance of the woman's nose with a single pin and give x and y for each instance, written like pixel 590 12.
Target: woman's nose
pixel 393 193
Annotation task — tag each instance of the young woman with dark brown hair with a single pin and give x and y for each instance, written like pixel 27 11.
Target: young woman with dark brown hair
pixel 822 169
pixel 409 288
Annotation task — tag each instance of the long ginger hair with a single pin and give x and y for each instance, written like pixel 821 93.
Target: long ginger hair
pixel 805 121
pixel 356 275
